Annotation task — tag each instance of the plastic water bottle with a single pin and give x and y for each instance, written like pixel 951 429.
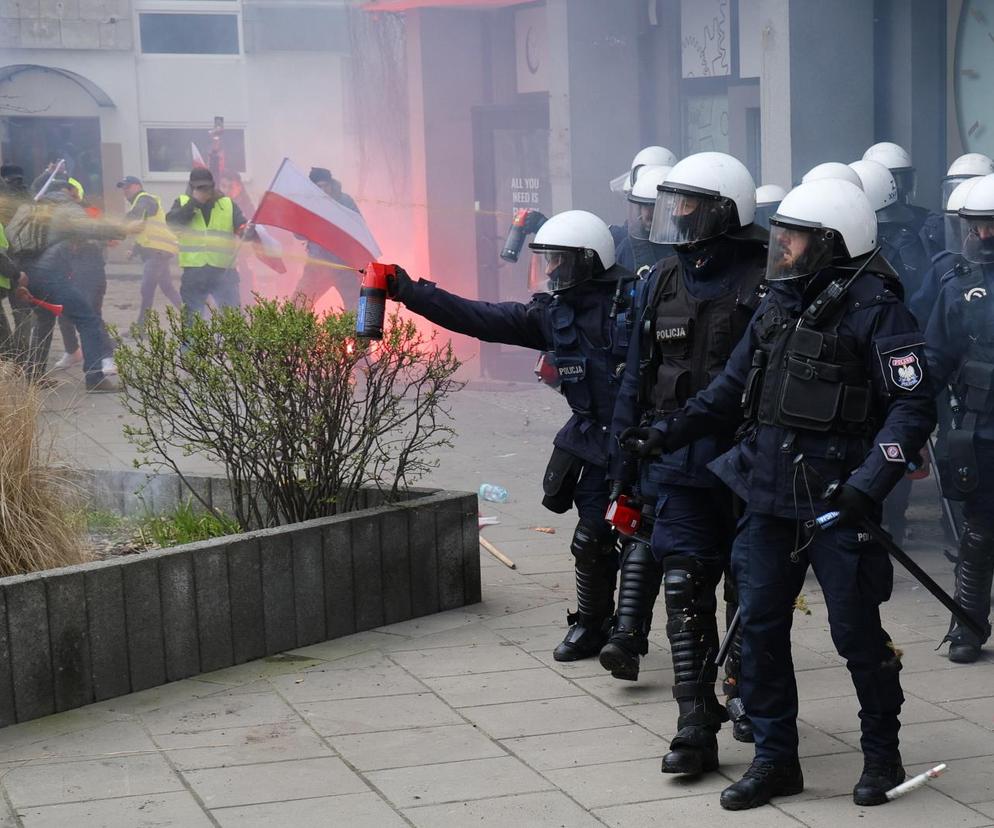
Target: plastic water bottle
pixel 495 494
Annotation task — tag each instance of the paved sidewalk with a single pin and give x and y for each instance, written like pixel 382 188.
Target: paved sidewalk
pixel 463 718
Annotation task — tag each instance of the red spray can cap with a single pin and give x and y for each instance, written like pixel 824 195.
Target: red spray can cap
pixel 376 275
pixel 625 515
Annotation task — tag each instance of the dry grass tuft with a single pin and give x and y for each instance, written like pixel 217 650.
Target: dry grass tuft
pixel 39 503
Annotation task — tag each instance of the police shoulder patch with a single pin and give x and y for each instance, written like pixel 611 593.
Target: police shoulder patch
pixel 893 453
pixel 905 370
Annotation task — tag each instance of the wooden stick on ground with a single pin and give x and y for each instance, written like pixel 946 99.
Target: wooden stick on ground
pixel 500 556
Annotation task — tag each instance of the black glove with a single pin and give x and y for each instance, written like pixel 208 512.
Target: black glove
pixel 399 284
pixel 645 442
pixel 852 505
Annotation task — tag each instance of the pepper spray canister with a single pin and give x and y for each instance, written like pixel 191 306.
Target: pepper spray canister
pixel 373 300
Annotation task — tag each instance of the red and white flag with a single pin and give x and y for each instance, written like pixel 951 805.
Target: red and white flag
pixel 295 203
pixel 268 250
pixel 198 159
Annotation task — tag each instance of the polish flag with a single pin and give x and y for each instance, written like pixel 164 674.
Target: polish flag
pixel 268 250
pixel 198 159
pixel 293 202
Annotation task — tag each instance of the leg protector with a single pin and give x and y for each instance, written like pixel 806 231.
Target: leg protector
pixel 689 589
pixel 974 574
pixel 594 549
pixel 638 587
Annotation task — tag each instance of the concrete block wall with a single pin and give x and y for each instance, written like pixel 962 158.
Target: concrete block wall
pixel 66 24
pixel 72 636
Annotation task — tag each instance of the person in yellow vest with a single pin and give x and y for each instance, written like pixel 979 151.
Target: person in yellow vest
pixel 207 224
pixel 156 244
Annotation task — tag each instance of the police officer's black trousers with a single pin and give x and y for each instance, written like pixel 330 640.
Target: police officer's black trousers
pixel 856 576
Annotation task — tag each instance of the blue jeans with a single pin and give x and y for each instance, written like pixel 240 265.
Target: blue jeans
pixel 197 283
pixel 856 576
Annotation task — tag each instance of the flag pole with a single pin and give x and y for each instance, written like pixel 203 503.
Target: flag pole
pixel 48 183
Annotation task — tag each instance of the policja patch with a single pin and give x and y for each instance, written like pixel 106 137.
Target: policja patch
pixel 893 453
pixel 905 371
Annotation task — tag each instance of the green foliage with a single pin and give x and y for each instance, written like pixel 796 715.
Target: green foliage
pixel 299 412
pixel 98 519
pixel 186 525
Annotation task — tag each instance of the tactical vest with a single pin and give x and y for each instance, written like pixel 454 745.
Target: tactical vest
pixel 801 378
pixel 687 340
pixel 590 371
pixel 155 234
pixel 646 253
pixel 973 382
pixel 211 244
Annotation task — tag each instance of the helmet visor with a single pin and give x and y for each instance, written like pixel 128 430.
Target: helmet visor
pixel 558 269
pixel 954 232
pixel 797 251
pixel 684 217
pixel 907 183
pixel 640 215
pixel 951 183
pixel 978 238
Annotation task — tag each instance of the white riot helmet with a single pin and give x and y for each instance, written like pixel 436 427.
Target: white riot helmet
pixel 654 156
pixel 769 194
pixel 570 248
pixel 967 166
pixel 977 217
pixel 898 160
pixel 642 200
pixel 768 198
pixel 832 169
pixel 951 218
pixel 878 184
pixel 819 223
pixel 704 196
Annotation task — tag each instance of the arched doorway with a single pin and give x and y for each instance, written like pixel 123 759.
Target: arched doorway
pixel 48 113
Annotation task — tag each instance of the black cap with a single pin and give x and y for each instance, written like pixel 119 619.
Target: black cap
pixel 201 174
pixel 319 174
pixel 128 179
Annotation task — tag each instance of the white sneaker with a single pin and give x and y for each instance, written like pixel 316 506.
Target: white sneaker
pixel 68 360
pixel 107 366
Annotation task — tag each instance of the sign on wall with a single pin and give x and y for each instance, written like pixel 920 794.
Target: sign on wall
pixel 706 38
pixel 531 49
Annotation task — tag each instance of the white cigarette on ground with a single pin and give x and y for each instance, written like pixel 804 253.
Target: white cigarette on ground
pixel 916 781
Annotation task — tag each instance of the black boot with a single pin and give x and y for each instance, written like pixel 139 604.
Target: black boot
pixel 878 777
pixel 761 782
pixel 596 571
pixel 741 726
pixel 693 633
pixel 638 587
pixel 974 574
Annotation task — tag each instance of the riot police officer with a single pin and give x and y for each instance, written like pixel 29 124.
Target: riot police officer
pixel 637 252
pixel 970 165
pixel 898 160
pixel 585 323
pixel 832 170
pixel 960 349
pixel 768 198
pixel 651 156
pixel 691 311
pixel 828 385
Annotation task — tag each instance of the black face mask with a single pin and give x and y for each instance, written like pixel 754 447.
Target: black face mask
pixel 707 259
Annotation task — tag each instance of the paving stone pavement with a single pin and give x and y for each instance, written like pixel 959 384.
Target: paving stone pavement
pixel 463 718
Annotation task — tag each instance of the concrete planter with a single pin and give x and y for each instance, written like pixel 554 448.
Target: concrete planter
pixel 72 636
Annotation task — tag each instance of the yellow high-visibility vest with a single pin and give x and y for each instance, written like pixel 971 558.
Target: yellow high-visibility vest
pixel 156 234
pixel 211 244
pixel 77 187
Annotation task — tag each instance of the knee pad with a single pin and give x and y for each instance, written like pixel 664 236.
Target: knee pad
pixel 593 543
pixel 688 586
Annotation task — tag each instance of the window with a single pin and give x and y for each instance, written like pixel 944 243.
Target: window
pixel 189 34
pixel 301 29
pixel 170 149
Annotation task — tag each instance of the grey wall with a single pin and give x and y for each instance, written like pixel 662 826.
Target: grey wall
pixel 910 50
pixel 831 81
pixel 603 97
